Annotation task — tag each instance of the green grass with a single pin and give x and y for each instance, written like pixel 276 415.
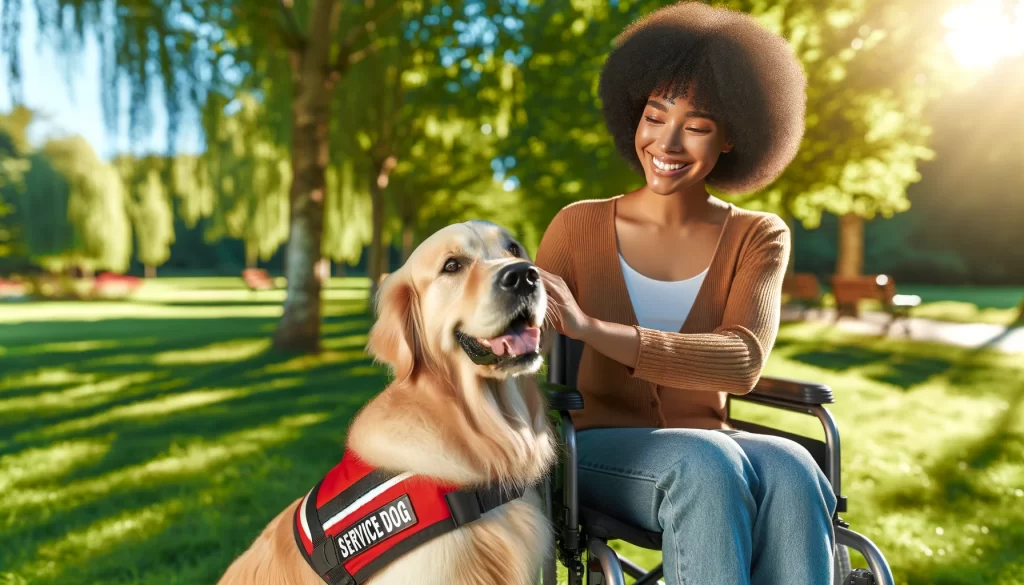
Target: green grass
pixel 148 442
pixel 997 305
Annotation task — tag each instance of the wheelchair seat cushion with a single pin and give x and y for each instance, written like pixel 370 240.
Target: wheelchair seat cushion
pixel 601 525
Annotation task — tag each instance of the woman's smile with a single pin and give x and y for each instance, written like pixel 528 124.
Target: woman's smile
pixel 669 167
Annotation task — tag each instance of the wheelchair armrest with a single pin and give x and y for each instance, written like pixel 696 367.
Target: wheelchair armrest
pixel 793 391
pixel 562 398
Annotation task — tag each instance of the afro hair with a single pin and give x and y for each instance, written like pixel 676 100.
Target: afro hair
pixel 725 63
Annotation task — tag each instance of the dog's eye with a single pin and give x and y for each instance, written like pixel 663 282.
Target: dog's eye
pixel 514 249
pixel 452 265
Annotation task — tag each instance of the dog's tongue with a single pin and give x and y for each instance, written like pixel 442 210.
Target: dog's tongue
pixel 515 341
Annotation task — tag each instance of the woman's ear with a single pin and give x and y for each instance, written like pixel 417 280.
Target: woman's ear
pixel 727 147
pixel 393 338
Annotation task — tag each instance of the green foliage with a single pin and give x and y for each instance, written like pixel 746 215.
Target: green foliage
pixel 871 68
pixel 69 210
pixel 13 165
pixel 152 217
pixel 251 174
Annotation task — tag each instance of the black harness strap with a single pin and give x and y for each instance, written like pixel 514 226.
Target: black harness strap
pixel 326 560
pixel 466 505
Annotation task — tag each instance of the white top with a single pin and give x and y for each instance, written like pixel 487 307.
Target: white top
pixel 661 304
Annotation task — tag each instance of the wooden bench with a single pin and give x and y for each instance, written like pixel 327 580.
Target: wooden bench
pixel 109 284
pixel 804 290
pixel 12 289
pixel 257 279
pixel 850 290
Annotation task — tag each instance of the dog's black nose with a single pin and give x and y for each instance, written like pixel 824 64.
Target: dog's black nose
pixel 519 278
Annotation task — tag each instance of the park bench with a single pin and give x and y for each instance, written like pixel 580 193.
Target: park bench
pixel 850 290
pixel 802 289
pixel 12 289
pixel 257 279
pixel 109 284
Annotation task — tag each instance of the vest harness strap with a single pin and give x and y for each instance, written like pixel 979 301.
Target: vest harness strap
pixel 358 519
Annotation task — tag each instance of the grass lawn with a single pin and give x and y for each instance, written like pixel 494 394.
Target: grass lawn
pixel 997 305
pixel 967 304
pixel 148 442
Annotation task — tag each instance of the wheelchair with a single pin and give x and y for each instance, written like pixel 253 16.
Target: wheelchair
pixel 582 532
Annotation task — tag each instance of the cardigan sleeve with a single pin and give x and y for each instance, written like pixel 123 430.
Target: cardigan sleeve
pixel 554 253
pixel 730 358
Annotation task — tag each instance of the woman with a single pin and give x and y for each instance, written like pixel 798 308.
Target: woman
pixel 676 295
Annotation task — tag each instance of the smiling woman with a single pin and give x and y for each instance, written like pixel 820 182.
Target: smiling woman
pixel 676 296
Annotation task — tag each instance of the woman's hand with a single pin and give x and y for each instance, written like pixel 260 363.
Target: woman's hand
pixel 563 312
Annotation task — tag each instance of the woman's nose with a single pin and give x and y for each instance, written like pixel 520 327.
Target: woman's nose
pixel 671 138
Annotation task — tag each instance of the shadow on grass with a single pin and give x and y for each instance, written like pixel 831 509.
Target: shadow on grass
pixel 961 485
pixel 899 363
pixel 171 477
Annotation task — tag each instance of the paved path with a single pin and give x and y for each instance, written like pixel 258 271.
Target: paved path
pixel 972 335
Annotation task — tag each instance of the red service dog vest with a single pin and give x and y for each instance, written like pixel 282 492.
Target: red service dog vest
pixel 358 519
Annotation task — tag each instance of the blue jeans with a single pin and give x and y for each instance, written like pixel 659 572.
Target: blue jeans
pixel 734 508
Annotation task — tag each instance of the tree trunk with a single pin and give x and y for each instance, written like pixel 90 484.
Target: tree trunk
pixel 408 239
pixel 375 264
pixel 323 270
pixel 851 245
pixel 378 255
pixel 299 327
pixel 251 256
pixel 150 271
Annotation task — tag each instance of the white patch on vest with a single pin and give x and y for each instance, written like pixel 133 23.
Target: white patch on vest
pixel 302 516
pixel 379 525
pixel 365 499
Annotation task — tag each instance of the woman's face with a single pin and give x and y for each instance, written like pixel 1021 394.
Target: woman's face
pixel 677 145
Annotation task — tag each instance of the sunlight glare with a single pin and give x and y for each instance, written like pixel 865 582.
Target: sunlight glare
pixel 982 32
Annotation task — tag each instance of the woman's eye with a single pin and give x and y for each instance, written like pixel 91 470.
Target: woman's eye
pixel 652 120
pixel 452 265
pixel 700 130
pixel 514 250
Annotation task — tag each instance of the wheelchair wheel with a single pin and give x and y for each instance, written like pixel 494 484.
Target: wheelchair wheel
pixel 841 565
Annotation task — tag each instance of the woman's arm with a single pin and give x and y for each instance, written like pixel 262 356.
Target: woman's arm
pixel 731 358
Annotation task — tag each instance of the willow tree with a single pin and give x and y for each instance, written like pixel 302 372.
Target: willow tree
pixel 413 111
pixel 295 52
pixel 13 164
pixel 871 67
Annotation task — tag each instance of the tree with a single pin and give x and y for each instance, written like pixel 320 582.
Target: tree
pixel 413 111
pixel 865 133
pixel 152 220
pixel 13 164
pixel 71 209
pixel 293 51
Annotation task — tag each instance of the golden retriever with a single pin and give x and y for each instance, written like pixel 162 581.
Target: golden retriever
pixel 459 325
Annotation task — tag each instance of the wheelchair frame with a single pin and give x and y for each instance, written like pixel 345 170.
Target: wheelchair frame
pixel 610 568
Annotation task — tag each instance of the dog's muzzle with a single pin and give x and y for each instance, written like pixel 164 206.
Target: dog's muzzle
pixel 519 342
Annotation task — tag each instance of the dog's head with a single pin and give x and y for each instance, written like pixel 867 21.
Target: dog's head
pixel 468 295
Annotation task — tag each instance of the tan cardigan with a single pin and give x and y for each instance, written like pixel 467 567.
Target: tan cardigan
pixel 681 379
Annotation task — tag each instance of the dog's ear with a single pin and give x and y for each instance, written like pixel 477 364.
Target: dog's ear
pixel 393 338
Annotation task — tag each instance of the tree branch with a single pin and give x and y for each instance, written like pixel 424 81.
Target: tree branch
pixel 357 56
pixel 293 36
pixel 346 56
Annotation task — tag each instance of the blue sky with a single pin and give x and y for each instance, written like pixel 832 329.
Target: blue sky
pixel 71 103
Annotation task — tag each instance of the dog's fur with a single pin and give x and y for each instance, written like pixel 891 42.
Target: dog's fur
pixel 443 417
